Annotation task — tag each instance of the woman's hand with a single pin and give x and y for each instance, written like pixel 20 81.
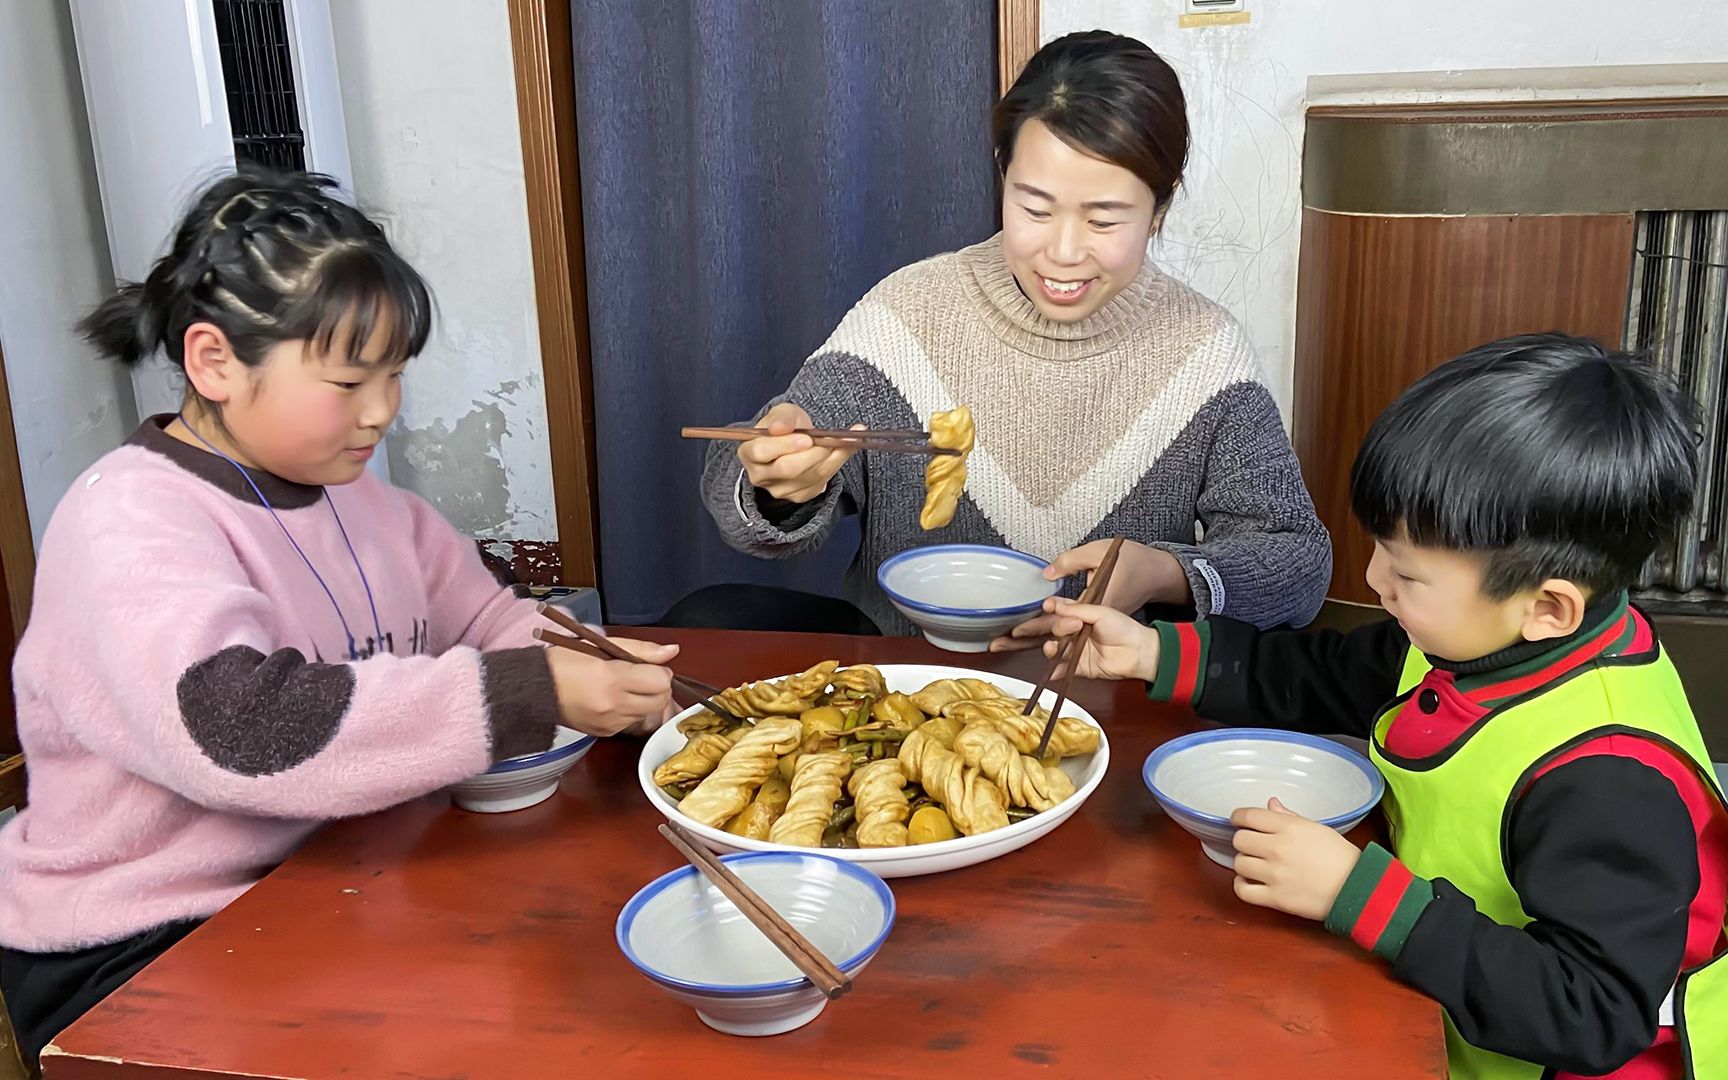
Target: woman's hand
pixel 1143 575
pixel 789 466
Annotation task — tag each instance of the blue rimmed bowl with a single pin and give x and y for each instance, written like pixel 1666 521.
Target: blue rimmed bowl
pixel 690 941
pixel 964 595
pixel 1203 778
pixel 520 782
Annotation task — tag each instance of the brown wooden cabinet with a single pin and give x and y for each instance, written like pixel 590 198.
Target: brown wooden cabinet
pixel 1383 300
pixel 1430 229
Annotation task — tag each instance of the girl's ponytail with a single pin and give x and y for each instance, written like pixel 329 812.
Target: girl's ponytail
pixel 124 327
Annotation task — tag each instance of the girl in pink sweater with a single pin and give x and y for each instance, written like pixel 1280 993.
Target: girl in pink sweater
pixel 238 632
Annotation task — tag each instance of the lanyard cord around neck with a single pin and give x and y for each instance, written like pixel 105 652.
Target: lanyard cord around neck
pixel 378 628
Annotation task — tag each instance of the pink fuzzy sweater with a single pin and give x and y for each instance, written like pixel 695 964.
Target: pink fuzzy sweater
pixel 187 703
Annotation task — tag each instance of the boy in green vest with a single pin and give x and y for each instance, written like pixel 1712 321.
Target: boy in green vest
pixel 1559 864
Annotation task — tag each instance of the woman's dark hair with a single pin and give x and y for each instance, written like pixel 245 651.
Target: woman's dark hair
pixel 1548 455
pixel 268 257
pixel 1107 95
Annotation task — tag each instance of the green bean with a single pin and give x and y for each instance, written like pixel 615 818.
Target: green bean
pixel 880 736
pixel 833 838
pixel 1020 813
pixel 843 817
pixel 674 792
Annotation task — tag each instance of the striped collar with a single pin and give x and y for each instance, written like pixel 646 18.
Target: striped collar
pixel 1612 628
pixel 1447 706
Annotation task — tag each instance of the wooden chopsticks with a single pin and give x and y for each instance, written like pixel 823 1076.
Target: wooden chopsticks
pixel 1073 648
pixel 809 959
pixel 897 442
pixel 586 640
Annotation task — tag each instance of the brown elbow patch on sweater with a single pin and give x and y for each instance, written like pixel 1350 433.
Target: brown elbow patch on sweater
pixel 521 701
pixel 257 715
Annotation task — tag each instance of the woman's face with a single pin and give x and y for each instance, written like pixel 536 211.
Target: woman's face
pixel 1074 227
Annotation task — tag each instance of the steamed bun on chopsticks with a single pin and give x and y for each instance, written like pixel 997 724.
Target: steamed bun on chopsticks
pixel 945 476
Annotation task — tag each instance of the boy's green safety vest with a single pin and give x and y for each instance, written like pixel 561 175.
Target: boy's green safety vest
pixel 1449 816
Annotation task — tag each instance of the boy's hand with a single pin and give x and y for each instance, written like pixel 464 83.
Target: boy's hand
pixel 605 697
pixel 1143 575
pixel 1119 647
pixel 1287 862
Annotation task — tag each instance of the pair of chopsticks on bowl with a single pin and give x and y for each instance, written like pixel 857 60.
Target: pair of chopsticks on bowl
pixel 896 442
pixel 1068 657
pixel 820 970
pixel 583 640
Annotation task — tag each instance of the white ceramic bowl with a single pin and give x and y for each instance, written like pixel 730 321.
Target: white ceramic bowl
pixel 520 782
pixel 963 595
pixel 690 941
pixel 1086 770
pixel 1203 778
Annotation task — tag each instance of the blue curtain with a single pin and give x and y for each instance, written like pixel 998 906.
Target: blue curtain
pixel 749 169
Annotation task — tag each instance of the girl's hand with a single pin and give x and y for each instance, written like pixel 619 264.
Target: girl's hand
pixel 1119 647
pixel 1143 575
pixel 789 466
pixel 1287 862
pixel 605 697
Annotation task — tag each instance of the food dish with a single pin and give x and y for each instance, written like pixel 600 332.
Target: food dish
pixel 888 780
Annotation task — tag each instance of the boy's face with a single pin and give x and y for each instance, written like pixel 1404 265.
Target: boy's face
pixel 1436 595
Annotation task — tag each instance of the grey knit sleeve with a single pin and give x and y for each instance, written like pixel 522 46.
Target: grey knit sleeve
pixel 1263 556
pixel 827 388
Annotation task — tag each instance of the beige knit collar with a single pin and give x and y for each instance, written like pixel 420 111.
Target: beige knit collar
pixel 1016 322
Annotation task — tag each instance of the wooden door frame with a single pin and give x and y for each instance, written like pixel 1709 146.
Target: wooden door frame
pixel 546 113
pixel 18 557
pixel 541 46
pixel 1016 39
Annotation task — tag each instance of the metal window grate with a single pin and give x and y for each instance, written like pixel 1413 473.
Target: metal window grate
pixel 1677 311
pixel 259 74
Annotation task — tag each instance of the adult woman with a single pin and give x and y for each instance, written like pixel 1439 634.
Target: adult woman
pixel 1109 398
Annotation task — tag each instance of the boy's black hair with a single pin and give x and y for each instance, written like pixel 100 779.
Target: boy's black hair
pixel 1548 455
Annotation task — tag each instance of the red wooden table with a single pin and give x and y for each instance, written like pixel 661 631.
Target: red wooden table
pixel 427 942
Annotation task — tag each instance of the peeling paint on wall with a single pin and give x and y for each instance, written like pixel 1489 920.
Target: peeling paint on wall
pixel 457 469
pixel 434 144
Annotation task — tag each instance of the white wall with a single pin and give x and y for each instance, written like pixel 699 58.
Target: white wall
pixel 159 123
pixel 430 104
pixel 1233 231
pixel 68 407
